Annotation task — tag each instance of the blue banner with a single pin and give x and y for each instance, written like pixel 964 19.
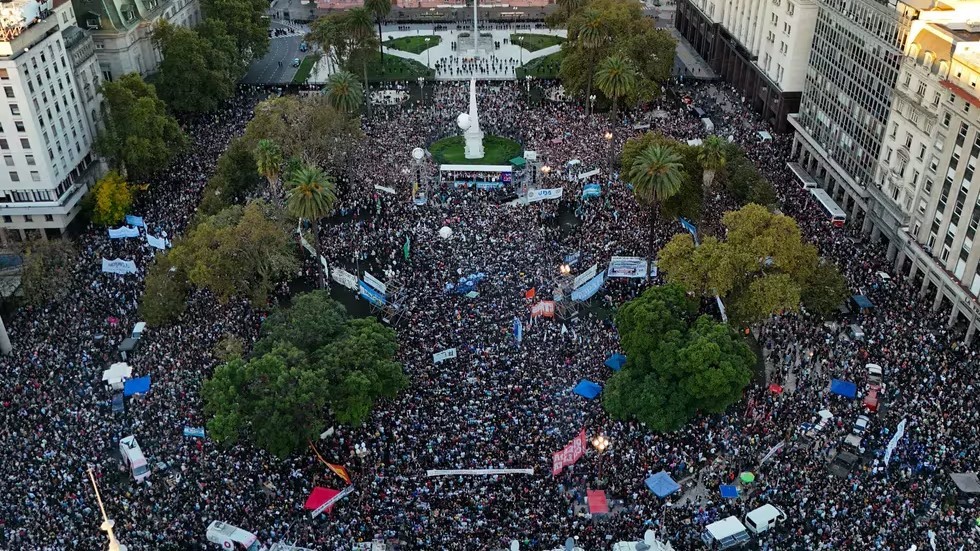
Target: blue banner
pixel 369 294
pixel 591 190
pixel 478 184
pixel 194 432
pixel 123 232
pixel 518 330
pixel 687 225
pixel 157 242
pixel 572 259
pixel 588 289
pixel 135 221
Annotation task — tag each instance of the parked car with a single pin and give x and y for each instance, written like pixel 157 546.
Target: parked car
pixel 295 62
pixel 860 424
pixel 875 374
pixel 303 46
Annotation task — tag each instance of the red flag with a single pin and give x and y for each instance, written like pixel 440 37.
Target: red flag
pixel 530 293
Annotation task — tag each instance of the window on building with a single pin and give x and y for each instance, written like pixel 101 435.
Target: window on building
pixel 48 218
pixel 790 8
pixel 4 75
pixel 922 151
pixel 14 177
pixel 8 160
pixel 14 109
pixel 30 160
pixel 907 80
pixel 908 140
pixel 936 99
pixel 922 89
pixel 25 143
pixel 7 219
pixel 28 218
pixel 4 144
pixel 19 125
pixel 35 176
pixel 946 119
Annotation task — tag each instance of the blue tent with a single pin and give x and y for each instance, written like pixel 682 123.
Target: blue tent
pixel 615 362
pixel 729 492
pixel 862 302
pixel 587 389
pixel 661 484
pixel 136 386
pixel 846 389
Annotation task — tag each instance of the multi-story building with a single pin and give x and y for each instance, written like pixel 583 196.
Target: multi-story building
pixel 761 47
pixel 123 29
pixel 47 121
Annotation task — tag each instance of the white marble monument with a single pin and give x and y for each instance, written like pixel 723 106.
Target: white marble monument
pixel 470 124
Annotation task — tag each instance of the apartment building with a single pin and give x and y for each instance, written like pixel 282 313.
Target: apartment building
pixel 48 119
pixel 760 47
pixel 122 31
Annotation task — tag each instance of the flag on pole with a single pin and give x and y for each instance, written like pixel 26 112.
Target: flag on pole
pixel 340 471
pixel 407 248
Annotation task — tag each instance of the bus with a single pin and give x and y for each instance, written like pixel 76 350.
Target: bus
pixel 830 208
pixel 806 181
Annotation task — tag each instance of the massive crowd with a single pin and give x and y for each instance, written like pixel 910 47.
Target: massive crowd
pixel 496 404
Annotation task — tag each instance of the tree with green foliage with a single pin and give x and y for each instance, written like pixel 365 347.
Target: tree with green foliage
pixel 344 91
pixel 240 251
pixel 616 27
pixel 138 137
pixel 687 202
pixel 380 10
pixel 310 357
pixel 826 291
pixel 308 130
pixel 567 8
pixel 311 197
pixel 234 179
pixel 656 175
pixel 711 154
pixel 675 368
pixel 360 32
pixel 46 272
pixel 268 161
pixel 743 181
pixel 245 22
pixel 616 79
pixel 196 74
pixel 762 268
pixel 165 292
pixel 111 198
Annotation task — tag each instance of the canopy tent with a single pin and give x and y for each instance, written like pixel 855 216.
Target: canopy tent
pixel 140 385
pixel 517 161
pixel 597 502
pixel 746 477
pixel 728 491
pixel 966 482
pixel 127 345
pixel 318 497
pixel 117 373
pixel 661 484
pixel 615 362
pixel 587 389
pixel 775 389
pixel 862 302
pixel 846 389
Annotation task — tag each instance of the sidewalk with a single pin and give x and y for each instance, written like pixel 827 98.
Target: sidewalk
pixel 696 67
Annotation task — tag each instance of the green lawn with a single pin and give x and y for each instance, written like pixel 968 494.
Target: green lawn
pixel 535 42
pixel 396 68
pixel 497 151
pixel 305 68
pixel 413 44
pixel 542 67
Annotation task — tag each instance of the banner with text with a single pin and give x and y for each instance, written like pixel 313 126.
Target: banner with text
pixel 544 308
pixel 585 276
pixel 157 242
pixel 330 502
pixel 453 472
pixel 627 266
pixel 344 278
pixel 369 294
pixel 446 354
pixel 543 194
pixel 588 174
pixel 586 291
pixel 118 266
pixel 573 258
pixel 569 454
pixel 123 232
pixel 375 282
pixel 135 221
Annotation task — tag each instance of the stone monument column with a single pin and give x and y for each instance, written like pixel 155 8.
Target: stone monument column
pixel 470 124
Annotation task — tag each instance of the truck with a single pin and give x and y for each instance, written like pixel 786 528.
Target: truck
pixel 232 537
pixel 725 534
pixel 763 518
pixel 133 458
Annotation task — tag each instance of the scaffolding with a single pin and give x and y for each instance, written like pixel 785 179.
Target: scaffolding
pixel 394 307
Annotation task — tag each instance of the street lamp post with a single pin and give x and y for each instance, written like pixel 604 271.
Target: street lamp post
pixel 421 81
pixel 428 53
pixel 609 136
pixel 107 523
pixel 601 444
pixel 520 50
pixel 591 104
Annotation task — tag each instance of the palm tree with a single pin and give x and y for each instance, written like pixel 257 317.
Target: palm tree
pixel 268 161
pixel 592 35
pixel 616 78
pixel 712 158
pixel 360 28
pixel 311 196
pixel 656 176
pixel 570 6
pixel 344 92
pixel 380 9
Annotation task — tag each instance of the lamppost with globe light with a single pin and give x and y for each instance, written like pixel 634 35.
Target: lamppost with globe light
pixel 428 53
pixel 609 137
pixel 601 444
pixel 520 49
pixel 592 103
pixel 107 523
pixel 421 81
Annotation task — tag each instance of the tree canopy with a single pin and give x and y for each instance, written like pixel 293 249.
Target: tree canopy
pixel 234 179
pixel 111 197
pixel 310 357
pixel 244 21
pixel 762 268
pixel 138 137
pixel 687 201
pixel 675 367
pixel 240 251
pixel 47 270
pixel 165 292
pixel 199 68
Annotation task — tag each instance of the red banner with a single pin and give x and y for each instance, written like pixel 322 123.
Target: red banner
pixel 544 308
pixel 569 455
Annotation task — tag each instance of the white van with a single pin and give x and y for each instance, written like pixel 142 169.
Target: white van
pixel 875 373
pixel 725 533
pixel 134 459
pixel 762 519
pixel 138 330
pixel 232 537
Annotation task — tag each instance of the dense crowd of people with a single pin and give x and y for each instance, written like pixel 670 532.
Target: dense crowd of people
pixel 499 403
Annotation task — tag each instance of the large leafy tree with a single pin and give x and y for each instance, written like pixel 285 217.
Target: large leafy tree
pixel 593 36
pixel 138 136
pixel 197 72
pixel 244 21
pixel 675 368
pixel 743 181
pixel 762 268
pixel 165 292
pixel 111 199
pixel 656 175
pixel 344 91
pixel 311 197
pixel 234 179
pixel 307 129
pixel 687 202
pixel 240 251
pixel 47 269
pixel 310 323
pixel 268 162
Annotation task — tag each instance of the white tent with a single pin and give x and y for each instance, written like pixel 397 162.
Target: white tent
pixel 117 374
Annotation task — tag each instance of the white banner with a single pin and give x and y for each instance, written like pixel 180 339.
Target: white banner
pixel 446 354
pixel 627 266
pixel 893 443
pixel 118 266
pixel 589 174
pixel 772 451
pixel 543 194
pixel 385 189
pixel 454 472
pixel 344 493
pixel 344 278
pixel 585 276
pixel 123 232
pixel 157 242
pixel 375 282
